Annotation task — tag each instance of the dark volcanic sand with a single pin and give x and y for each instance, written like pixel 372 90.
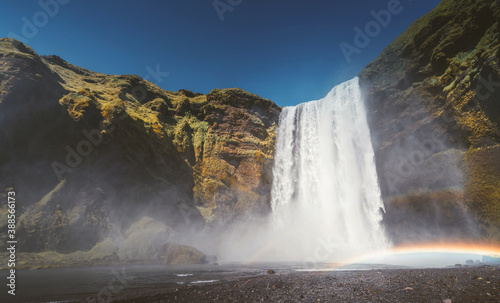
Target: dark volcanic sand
pixel 466 284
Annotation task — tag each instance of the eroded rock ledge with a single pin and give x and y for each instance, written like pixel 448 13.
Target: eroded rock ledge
pixel 90 154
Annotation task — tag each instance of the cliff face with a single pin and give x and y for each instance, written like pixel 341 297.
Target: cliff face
pixel 89 154
pixel 118 168
pixel 434 113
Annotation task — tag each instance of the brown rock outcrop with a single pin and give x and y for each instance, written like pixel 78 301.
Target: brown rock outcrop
pixel 89 154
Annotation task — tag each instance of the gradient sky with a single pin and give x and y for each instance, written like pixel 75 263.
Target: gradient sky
pixel 284 50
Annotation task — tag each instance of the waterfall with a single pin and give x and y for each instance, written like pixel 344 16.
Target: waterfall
pixel 326 201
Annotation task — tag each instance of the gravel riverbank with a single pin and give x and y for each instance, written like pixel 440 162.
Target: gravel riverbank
pixel 465 284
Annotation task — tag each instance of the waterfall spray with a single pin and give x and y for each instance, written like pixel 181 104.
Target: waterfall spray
pixel 326 199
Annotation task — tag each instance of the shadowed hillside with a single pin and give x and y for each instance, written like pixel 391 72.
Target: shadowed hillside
pixel 89 155
pixel 433 96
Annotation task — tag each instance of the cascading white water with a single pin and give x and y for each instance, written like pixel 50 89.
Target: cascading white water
pixel 326 198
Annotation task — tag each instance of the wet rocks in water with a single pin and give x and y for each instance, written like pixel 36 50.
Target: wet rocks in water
pixel 183 254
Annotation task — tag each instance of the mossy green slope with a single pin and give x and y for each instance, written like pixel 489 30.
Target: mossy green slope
pixel 435 90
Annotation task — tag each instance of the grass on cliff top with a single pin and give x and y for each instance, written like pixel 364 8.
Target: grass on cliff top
pixel 431 36
pixel 177 98
pixel 9 45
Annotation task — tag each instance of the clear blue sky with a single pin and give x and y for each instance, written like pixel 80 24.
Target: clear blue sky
pixel 284 50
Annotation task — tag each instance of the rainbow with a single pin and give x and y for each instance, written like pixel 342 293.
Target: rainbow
pixel 478 248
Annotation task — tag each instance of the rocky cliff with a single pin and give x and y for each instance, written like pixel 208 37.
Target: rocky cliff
pixel 111 169
pixel 90 155
pixel 433 97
